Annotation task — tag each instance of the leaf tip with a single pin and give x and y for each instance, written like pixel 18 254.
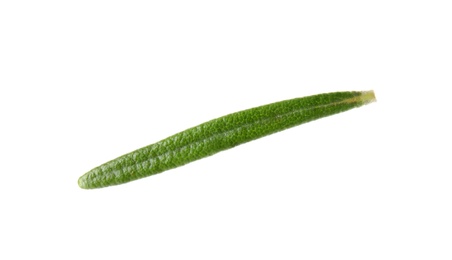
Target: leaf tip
pixel 82 182
pixel 368 97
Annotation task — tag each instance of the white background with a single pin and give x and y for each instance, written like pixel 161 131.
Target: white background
pixel 83 82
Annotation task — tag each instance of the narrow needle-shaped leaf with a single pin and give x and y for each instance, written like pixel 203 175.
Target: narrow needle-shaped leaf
pixel 220 134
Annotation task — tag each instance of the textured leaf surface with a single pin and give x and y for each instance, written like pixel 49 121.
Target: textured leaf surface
pixel 220 134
